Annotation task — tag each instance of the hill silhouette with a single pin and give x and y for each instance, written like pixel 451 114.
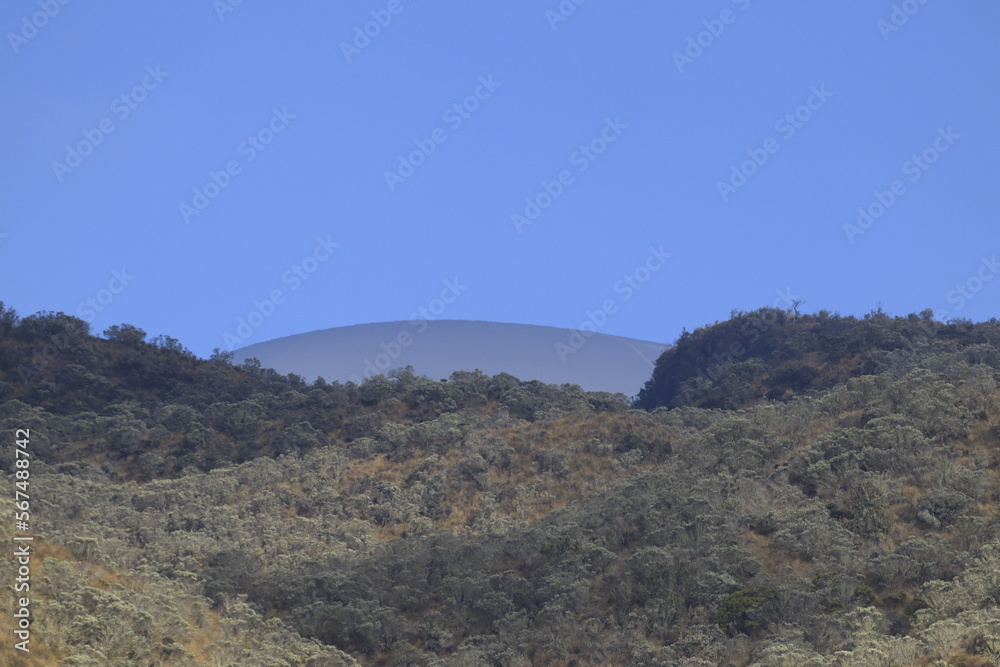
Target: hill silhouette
pixel 595 361
pixel 775 354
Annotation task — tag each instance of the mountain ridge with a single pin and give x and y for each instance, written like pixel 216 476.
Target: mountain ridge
pixel 436 348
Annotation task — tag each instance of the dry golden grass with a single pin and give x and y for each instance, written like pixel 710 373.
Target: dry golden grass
pixel 381 468
pixel 201 645
pixel 40 652
pixel 522 492
pixel 851 419
pixel 392 532
pixel 775 559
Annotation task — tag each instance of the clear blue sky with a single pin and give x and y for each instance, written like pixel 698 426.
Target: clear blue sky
pixel 309 128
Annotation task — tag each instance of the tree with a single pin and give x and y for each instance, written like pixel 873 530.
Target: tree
pixel 736 615
pixel 125 334
pixel 172 344
pixel 47 324
pixel 222 357
pixel 8 318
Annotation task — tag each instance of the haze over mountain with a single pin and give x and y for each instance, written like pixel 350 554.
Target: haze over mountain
pixel 595 361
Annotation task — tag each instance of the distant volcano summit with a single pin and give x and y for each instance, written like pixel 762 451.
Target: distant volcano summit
pixel 595 361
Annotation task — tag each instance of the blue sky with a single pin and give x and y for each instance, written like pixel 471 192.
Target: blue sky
pixel 180 166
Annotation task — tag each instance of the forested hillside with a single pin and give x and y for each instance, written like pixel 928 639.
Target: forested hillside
pixel 826 496
pixel 775 354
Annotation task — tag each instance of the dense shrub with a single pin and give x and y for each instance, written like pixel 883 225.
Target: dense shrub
pixel 189 511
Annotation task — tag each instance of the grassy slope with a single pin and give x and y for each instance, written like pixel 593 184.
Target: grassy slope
pixel 552 525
